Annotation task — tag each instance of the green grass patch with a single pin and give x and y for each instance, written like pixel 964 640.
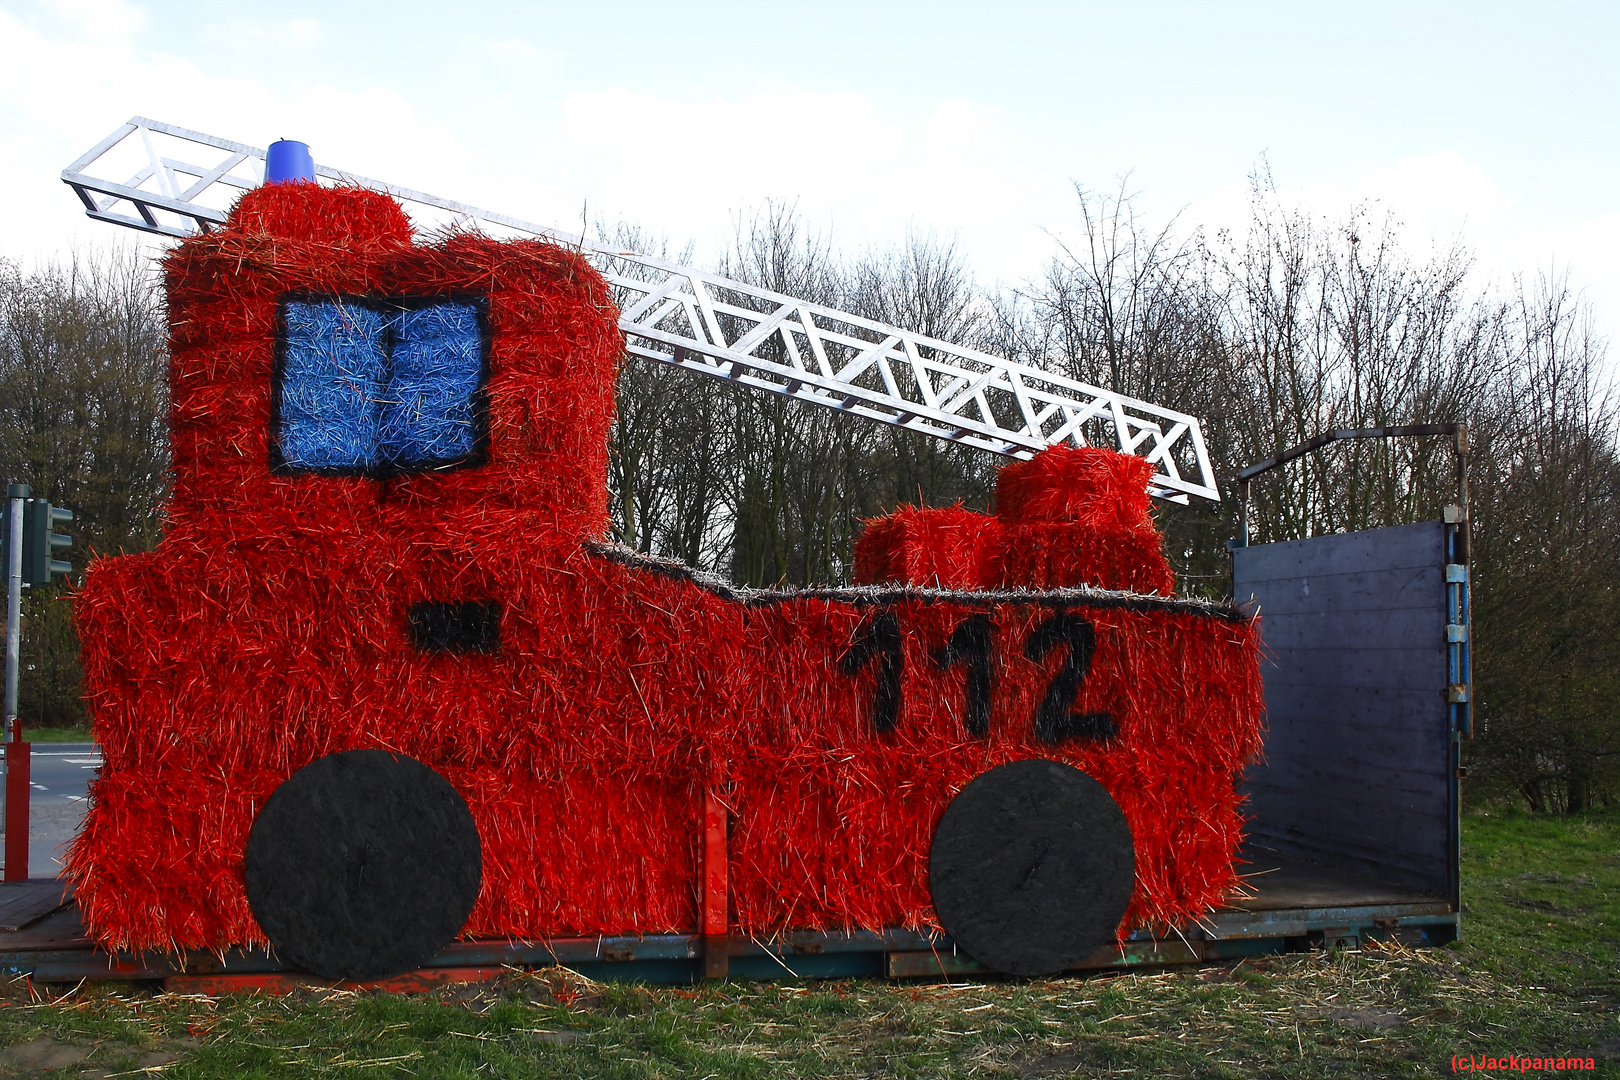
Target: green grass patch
pixel 1535 975
pixel 1541 897
pixel 57 734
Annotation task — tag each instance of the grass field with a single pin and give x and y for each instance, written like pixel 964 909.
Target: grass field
pixel 1537 975
pixel 56 734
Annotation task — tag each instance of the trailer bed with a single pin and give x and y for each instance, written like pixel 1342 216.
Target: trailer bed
pixel 1291 906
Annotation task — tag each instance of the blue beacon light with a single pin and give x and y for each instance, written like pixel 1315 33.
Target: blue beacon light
pixel 288 162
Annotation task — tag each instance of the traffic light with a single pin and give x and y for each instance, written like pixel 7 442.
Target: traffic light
pixel 13 491
pixel 40 542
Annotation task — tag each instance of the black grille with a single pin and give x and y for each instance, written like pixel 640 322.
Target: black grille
pixel 463 627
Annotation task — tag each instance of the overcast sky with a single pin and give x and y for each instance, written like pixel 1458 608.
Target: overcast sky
pixel 1492 121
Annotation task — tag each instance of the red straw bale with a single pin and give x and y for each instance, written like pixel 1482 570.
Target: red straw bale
pixel 941 548
pixel 1070 516
pixel 1076 483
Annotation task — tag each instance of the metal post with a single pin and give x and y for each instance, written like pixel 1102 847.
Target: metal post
pixel 17 493
pixel 1243 514
pixel 714 914
pixel 19 770
pixel 16 751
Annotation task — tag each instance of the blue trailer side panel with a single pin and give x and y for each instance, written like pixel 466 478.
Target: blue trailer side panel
pixel 1359 771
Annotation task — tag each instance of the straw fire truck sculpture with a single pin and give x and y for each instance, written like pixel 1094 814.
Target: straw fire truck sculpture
pixel 385 682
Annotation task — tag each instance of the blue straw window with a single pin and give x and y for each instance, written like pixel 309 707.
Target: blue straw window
pixel 380 387
pixel 335 360
pixel 428 414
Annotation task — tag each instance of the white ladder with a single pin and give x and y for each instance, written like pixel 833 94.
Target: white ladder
pixel 180 182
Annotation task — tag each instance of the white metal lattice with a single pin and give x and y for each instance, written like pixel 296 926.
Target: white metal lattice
pixel 180 182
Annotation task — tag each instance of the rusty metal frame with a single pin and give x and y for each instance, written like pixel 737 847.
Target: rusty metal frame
pixel 1458 431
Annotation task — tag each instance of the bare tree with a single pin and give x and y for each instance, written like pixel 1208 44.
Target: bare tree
pixel 771 490
pixel 83 421
pixel 925 286
pixel 664 443
pixel 1128 307
pixel 1547 564
pixel 1328 325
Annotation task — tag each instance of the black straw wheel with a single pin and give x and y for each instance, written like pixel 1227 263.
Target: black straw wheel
pixel 363 864
pixel 1032 867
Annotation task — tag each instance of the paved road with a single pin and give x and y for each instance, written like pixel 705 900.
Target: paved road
pixel 61 775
